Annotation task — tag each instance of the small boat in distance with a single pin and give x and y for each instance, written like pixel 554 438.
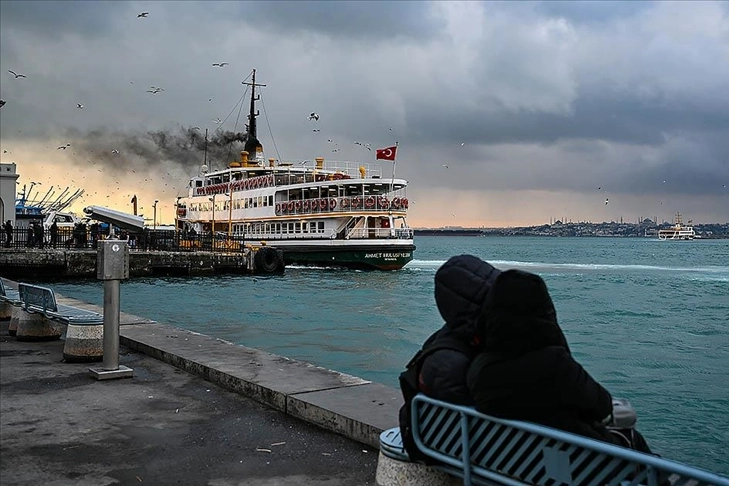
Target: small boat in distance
pixel 677 231
pixel 322 213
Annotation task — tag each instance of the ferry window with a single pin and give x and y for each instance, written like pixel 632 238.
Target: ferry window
pixel 297 228
pixel 320 226
pixel 270 200
pixel 291 227
pixel 268 228
pixel 278 227
pixel 304 228
pixel 198 183
pixel 312 227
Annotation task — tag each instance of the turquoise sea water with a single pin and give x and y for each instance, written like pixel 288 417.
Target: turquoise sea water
pixel 648 319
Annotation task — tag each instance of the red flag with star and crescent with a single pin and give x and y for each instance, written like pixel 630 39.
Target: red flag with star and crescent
pixel 387 153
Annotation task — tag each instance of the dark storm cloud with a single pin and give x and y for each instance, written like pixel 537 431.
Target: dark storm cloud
pixel 626 120
pixel 53 19
pixel 374 20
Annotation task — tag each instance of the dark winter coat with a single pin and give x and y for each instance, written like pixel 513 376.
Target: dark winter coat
pixel 461 286
pixel 525 370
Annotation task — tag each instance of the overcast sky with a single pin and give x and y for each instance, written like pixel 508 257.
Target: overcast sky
pixel 539 110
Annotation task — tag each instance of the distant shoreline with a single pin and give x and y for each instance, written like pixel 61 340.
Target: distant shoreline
pixel 597 230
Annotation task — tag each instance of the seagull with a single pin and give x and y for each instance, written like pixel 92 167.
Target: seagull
pixel 335 150
pixel 316 130
pixel 446 166
pixel 606 201
pixel 314 116
pixel 463 143
pixel 64 147
pixel 154 90
pixel 115 151
pixel 195 128
pixel 16 74
pixel 143 15
pixel 2 103
pixel 79 106
pixel 220 64
pixel 218 121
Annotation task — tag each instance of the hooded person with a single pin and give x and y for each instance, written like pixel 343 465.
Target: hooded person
pixel 439 369
pixel 525 370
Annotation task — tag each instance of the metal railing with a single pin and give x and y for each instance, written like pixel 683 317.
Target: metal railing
pixel 148 240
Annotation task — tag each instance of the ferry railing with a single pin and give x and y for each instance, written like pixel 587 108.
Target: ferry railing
pixel 342 204
pixel 368 233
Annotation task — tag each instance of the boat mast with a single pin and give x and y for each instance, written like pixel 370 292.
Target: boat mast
pixel 253 146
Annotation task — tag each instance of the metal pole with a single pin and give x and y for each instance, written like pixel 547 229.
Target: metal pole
pixel 111 325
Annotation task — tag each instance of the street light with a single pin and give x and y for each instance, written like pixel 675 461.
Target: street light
pixel 154 217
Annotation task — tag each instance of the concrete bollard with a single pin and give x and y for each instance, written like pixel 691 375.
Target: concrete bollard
pixel 391 472
pixel 6 310
pixel 14 318
pixel 37 327
pixel 84 342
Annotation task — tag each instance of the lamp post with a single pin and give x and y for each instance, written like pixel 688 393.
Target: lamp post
pixel 154 216
pixel 212 227
pixel 230 215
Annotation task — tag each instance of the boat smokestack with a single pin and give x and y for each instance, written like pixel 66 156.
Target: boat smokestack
pixel 319 162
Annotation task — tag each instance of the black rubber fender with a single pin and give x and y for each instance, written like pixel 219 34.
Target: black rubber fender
pixel 266 260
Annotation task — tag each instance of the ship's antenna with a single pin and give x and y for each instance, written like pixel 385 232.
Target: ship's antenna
pixel 252 114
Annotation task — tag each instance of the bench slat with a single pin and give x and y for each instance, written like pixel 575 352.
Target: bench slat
pixel 517 453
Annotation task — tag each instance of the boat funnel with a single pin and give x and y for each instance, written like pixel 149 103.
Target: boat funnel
pixel 362 171
pixel 243 158
pixel 319 162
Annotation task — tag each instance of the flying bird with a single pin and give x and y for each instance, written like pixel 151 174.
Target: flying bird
pixel 154 89
pixel 316 130
pixel 16 74
pixel 115 151
pixel 64 147
pixel 314 116
pixel 220 64
pixel 217 121
pixel 606 201
pixel 79 106
pixel 2 103
pixel 143 15
pixel 463 143
pixel 446 166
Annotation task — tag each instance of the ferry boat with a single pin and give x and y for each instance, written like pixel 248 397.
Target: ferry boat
pixel 319 212
pixel 677 231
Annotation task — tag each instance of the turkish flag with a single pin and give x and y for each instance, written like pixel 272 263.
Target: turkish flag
pixel 387 153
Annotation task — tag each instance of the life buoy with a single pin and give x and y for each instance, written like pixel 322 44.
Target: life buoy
pixel 283 207
pixel 291 206
pixel 396 203
pixel 271 180
pixel 297 205
pixel 307 204
pixel 384 202
pixel 344 203
pixel 278 207
pixel 369 202
pixel 322 203
pixel 405 202
pixel 332 203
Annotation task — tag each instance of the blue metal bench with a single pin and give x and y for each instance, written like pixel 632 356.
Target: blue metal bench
pixel 9 295
pixel 487 450
pixel 42 300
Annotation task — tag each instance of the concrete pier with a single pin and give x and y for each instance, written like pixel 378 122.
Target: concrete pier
pixel 171 429
pixel 48 262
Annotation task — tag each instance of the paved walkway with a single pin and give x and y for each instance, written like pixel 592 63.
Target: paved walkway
pixel 164 426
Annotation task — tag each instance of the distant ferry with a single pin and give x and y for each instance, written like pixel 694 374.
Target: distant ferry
pixel 340 214
pixel 677 231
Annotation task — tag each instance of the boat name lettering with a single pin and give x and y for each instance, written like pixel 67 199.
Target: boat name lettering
pixel 388 255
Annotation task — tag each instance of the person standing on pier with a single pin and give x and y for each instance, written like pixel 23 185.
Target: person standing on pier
pixel 38 234
pixel 8 233
pixel 54 234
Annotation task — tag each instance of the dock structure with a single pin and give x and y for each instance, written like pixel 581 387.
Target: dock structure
pixel 81 263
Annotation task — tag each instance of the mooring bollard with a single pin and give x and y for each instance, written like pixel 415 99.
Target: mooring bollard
pixel 112 265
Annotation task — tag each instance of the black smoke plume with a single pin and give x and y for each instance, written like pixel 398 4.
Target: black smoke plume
pixel 155 150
